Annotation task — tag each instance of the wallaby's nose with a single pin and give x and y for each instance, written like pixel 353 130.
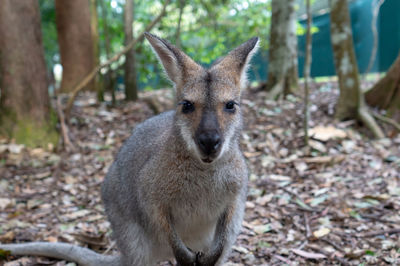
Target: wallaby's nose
pixel 209 142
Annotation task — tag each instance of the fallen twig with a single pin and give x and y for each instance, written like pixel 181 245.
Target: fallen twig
pixel 329 255
pixel 381 232
pixel 307 226
pixel 64 128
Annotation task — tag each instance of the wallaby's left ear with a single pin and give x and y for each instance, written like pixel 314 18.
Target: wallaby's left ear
pixel 176 63
pixel 237 61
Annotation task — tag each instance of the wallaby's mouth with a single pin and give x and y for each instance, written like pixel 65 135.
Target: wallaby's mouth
pixel 209 156
pixel 207 160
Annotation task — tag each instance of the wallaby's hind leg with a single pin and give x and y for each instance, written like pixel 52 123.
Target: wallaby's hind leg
pixel 134 245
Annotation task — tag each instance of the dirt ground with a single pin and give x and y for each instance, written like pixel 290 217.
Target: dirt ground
pixel 338 203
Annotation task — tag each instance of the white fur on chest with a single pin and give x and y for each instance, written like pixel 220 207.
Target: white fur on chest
pixel 197 212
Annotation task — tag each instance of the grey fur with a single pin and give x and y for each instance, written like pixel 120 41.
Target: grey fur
pixel 162 197
pixel 138 182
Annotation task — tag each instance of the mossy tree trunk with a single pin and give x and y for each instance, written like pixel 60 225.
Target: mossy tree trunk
pixel 131 93
pixel 282 62
pixel 25 113
pixel 385 94
pixel 351 103
pixel 345 61
pixel 75 41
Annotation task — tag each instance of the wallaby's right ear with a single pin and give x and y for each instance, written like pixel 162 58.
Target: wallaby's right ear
pixel 177 64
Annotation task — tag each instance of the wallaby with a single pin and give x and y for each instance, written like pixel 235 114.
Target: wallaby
pixel 177 188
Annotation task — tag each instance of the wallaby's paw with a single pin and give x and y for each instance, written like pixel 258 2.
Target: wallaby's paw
pixel 186 258
pixel 203 260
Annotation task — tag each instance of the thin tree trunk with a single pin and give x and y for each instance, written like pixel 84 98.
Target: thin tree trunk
pixel 282 64
pixel 130 69
pixel 94 25
pixel 307 68
pixel 375 12
pixel 75 41
pixel 107 45
pixel 351 103
pixel 385 94
pixel 178 28
pixel 25 113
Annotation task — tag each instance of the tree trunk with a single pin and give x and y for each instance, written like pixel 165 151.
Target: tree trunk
pixel 94 25
pixel 25 113
pixel 351 103
pixel 178 27
pixel 282 64
pixel 307 70
pixel 75 41
pixel 130 69
pixel 385 93
pixel 345 61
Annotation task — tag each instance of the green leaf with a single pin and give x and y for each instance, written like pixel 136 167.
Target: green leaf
pixel 370 253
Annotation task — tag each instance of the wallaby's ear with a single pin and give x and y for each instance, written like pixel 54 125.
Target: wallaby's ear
pixel 176 63
pixel 236 63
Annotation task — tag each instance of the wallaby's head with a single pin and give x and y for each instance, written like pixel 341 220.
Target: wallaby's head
pixel 208 112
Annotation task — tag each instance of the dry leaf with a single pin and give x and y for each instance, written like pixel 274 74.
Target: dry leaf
pixel 326 133
pixel 321 232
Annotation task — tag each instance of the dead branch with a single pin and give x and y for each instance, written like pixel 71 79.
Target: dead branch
pixel 93 73
pixel 64 128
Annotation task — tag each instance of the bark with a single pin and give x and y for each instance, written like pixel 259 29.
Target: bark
pixel 307 68
pixel 345 61
pixel 385 94
pixel 351 103
pixel 75 41
pixel 282 65
pixel 129 67
pixel 94 25
pixel 25 105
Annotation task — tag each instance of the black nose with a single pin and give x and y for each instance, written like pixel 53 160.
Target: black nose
pixel 209 142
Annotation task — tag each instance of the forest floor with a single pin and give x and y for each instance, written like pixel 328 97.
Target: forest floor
pixel 338 204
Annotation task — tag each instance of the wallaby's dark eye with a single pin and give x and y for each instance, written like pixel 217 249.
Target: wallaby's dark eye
pixel 187 107
pixel 230 106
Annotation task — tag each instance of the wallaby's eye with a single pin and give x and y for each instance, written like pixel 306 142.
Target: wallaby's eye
pixel 230 106
pixel 187 107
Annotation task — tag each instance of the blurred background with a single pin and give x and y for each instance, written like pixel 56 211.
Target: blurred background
pixel 321 119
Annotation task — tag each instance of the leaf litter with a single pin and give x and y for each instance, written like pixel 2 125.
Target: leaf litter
pixel 336 204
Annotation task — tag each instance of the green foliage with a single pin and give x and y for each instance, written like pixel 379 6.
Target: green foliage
pixel 49 33
pixel 209 29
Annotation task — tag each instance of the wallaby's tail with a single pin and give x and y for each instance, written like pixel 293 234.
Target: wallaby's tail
pixel 73 253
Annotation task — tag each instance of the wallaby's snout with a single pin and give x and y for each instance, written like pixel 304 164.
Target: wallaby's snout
pixel 208 137
pixel 209 142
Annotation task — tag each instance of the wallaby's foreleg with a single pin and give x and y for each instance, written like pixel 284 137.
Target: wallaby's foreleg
pixel 183 255
pixel 220 240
